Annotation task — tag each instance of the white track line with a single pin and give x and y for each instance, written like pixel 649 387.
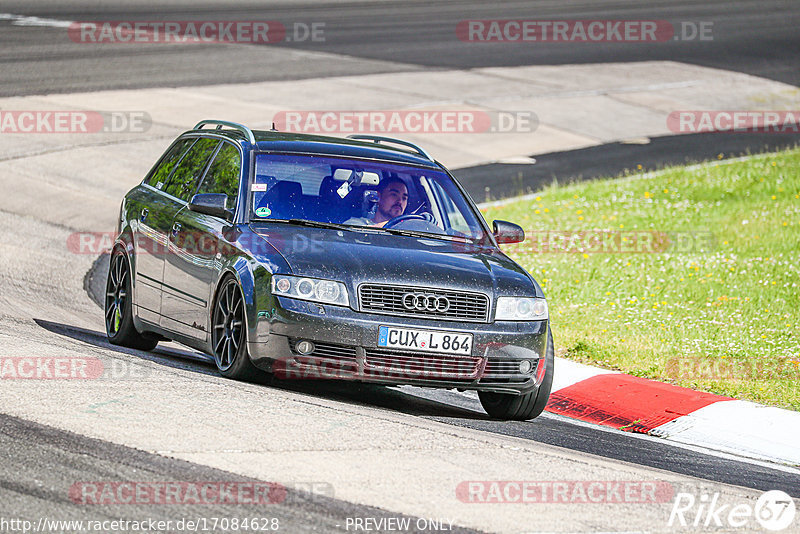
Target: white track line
pixel 22 20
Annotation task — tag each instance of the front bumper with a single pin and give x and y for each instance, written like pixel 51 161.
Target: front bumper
pixel 346 348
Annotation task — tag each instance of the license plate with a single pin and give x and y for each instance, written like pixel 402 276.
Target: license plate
pixel 425 340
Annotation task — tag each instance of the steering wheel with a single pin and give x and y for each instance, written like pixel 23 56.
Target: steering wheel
pixel 410 216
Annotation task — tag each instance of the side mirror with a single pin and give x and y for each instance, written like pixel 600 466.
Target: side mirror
pixel 214 204
pixel 507 232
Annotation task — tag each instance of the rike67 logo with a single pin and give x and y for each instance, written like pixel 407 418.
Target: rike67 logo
pixel 774 511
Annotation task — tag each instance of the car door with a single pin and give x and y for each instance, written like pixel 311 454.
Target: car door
pixel 151 213
pixel 191 271
pixel 170 198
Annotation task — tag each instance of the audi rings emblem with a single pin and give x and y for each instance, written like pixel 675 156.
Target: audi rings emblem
pixel 425 302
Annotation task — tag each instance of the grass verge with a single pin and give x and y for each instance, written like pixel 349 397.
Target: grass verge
pixel 689 275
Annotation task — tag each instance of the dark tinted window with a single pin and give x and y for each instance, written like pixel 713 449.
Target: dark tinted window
pixel 223 175
pixel 184 180
pixel 161 173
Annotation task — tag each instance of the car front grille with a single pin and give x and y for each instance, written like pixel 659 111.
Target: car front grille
pixel 391 363
pixel 462 306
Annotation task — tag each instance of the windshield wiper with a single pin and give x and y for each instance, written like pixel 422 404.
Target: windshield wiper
pixel 362 228
pixel 413 233
pixel 319 224
pixel 309 223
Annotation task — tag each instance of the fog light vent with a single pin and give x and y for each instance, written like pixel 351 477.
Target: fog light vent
pixel 525 366
pixel 305 347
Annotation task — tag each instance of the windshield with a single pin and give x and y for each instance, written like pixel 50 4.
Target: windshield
pixel 359 193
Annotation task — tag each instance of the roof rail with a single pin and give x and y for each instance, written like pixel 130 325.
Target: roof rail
pixel 235 125
pixel 377 139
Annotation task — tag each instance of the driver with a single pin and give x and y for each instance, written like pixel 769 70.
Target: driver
pixel 392 202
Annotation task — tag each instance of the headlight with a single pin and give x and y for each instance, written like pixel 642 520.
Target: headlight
pixel 324 291
pixel 521 309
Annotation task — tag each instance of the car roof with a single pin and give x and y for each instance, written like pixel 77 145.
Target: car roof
pixel 274 141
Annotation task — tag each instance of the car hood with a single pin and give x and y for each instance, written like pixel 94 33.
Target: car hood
pixel 356 257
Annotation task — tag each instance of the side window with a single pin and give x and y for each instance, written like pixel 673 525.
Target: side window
pixel 160 174
pixel 451 211
pixel 184 180
pixel 223 175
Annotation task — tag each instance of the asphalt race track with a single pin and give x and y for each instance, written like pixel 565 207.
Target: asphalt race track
pixel 614 159
pixel 342 450
pixel 758 38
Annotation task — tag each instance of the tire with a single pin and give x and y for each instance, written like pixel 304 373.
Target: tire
pixel 522 407
pixel 229 333
pixel 118 310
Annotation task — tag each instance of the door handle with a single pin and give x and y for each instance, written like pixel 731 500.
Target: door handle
pixel 145 213
pixel 175 229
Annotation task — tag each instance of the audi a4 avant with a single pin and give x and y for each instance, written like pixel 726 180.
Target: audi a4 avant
pixel 316 257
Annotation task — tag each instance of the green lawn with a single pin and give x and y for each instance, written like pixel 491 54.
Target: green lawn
pixel 713 307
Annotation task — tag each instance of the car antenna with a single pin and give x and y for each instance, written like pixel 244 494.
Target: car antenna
pixel 273 127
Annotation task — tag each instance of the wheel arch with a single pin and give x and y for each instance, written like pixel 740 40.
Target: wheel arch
pixel 240 271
